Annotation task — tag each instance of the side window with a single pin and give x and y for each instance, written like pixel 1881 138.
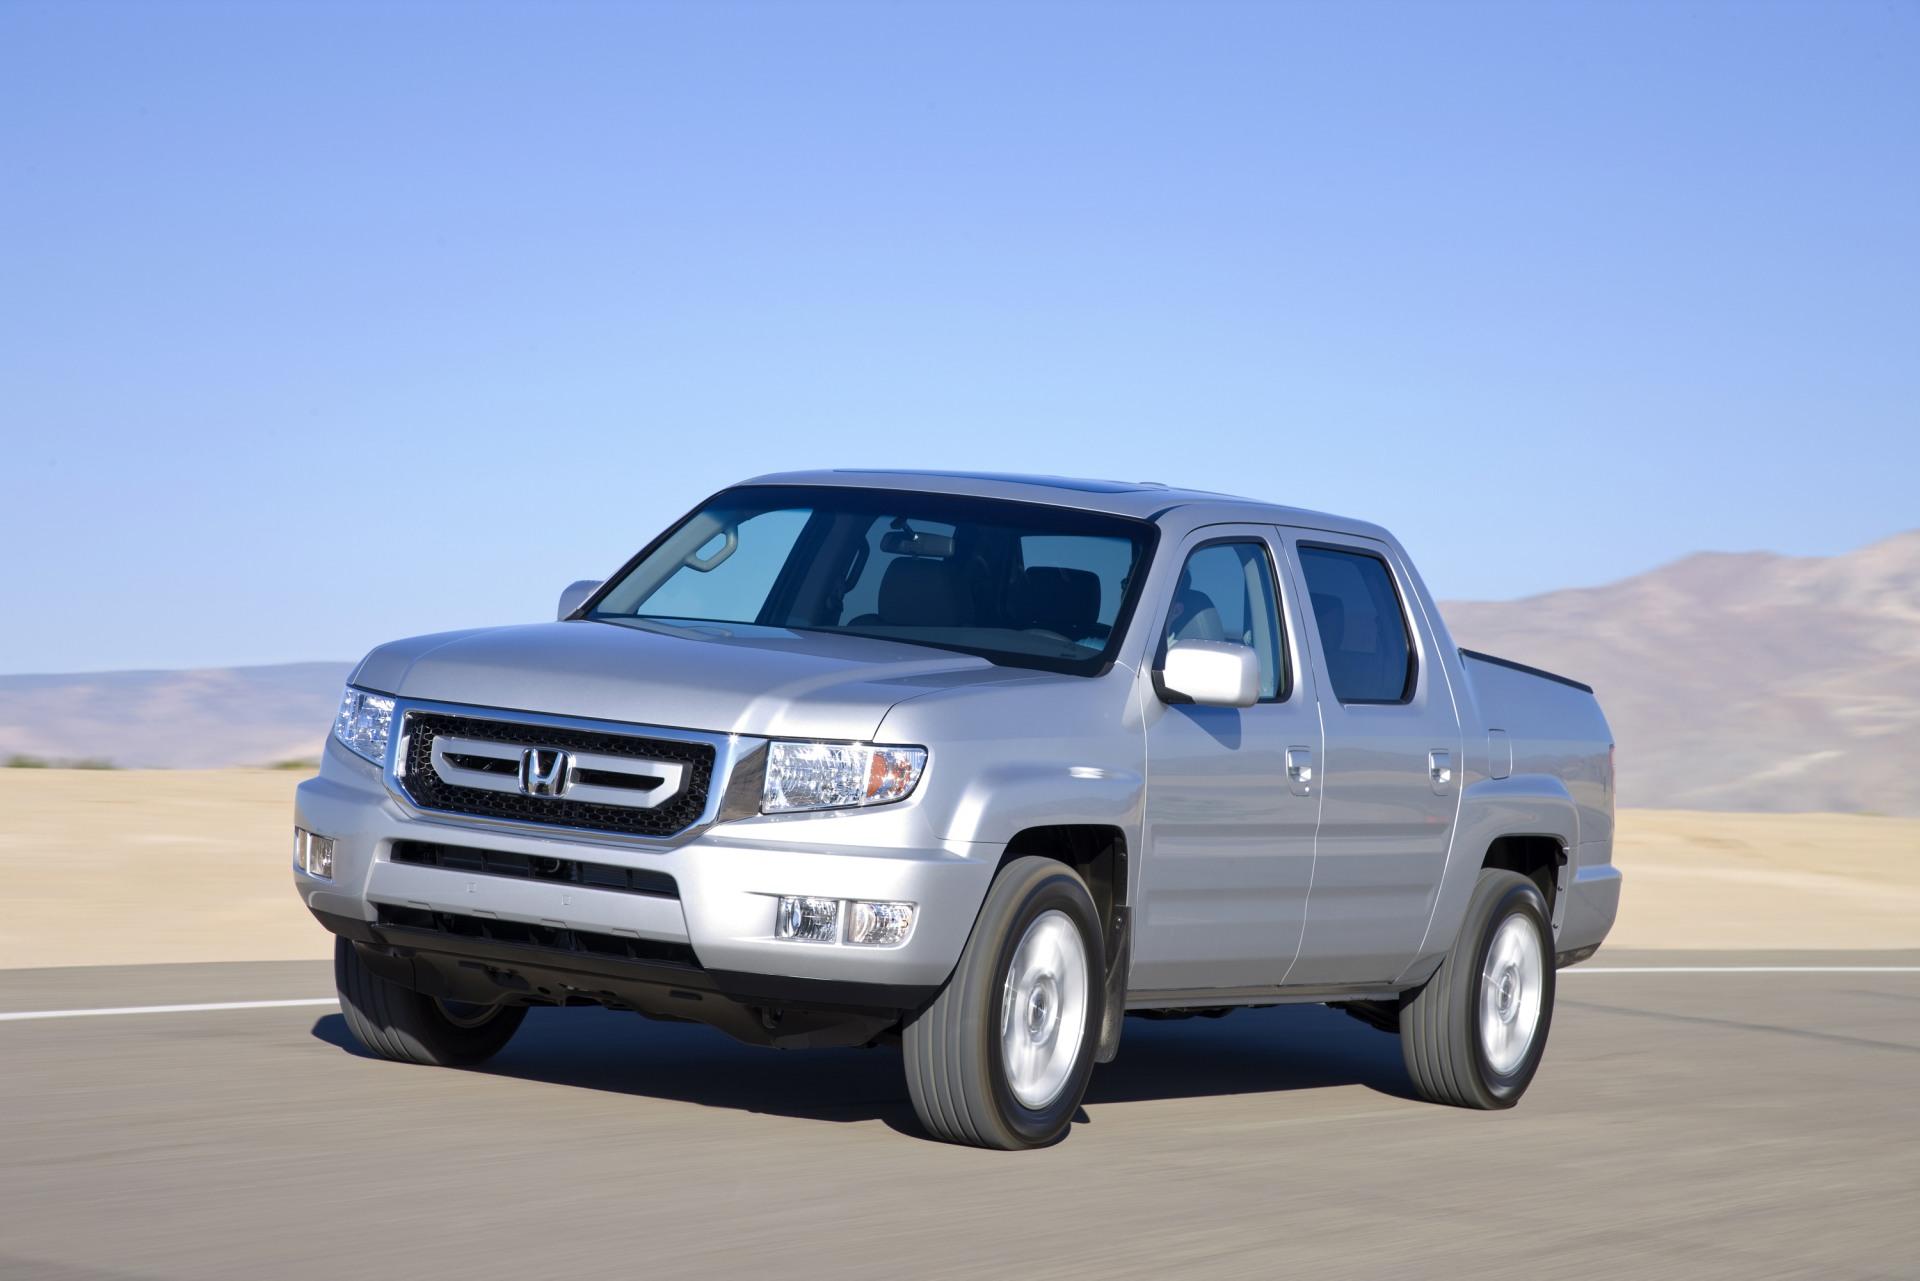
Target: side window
pixel 1225 593
pixel 1362 629
pixel 727 578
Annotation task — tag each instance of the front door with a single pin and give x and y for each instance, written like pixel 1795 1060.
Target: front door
pixel 1229 832
pixel 1392 764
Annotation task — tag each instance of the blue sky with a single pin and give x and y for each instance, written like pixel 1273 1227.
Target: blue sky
pixel 322 324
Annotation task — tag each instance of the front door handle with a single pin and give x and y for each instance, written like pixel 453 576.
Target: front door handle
pixel 1300 770
pixel 1440 768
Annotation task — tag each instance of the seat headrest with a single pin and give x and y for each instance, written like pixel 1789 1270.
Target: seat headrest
pixel 1331 613
pixel 1058 599
pixel 915 592
pixel 1198 618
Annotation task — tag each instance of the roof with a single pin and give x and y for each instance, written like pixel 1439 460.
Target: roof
pixel 1143 499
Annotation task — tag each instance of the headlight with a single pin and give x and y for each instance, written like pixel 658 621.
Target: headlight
pixel 365 724
pixel 820 776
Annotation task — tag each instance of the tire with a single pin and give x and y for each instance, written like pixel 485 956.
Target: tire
pixel 398 1023
pixel 1465 1034
pixel 985 1073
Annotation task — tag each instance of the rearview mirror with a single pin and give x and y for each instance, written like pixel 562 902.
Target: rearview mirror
pixel 1212 673
pixel 916 542
pixel 576 595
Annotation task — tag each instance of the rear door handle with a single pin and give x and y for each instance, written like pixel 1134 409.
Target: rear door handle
pixel 1300 770
pixel 1440 769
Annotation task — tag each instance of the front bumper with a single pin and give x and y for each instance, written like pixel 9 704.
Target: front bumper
pixel 728 877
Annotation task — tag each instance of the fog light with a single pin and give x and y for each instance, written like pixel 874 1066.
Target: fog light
pixel 313 854
pixel 879 924
pixel 808 920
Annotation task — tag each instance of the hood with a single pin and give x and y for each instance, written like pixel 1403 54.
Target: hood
pixel 755 681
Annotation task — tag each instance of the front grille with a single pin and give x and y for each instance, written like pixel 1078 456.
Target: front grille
pixel 537 867
pixel 552 938
pixel 429 791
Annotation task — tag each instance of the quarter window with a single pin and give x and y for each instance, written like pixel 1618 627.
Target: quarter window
pixel 1363 632
pixel 1225 593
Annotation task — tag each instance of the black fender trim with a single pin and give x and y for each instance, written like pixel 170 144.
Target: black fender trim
pixel 1113 1017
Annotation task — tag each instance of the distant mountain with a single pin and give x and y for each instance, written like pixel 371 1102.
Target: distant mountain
pixel 1748 682
pixel 1733 682
pixel 173 719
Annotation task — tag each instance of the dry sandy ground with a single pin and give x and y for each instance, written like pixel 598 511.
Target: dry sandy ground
pixel 131 867
pixel 1753 881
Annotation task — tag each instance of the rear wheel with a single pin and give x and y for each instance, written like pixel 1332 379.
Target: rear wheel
pixel 398 1023
pixel 1473 1036
pixel 1002 1057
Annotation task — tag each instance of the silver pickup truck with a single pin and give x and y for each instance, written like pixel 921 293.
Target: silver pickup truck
pixel 977 765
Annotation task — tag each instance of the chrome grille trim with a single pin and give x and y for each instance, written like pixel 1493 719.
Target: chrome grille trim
pixel 727 750
pixel 655 782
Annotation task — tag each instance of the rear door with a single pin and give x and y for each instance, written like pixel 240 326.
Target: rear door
pixel 1231 797
pixel 1392 762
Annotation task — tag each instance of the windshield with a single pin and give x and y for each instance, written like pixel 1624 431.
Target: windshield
pixel 1015 583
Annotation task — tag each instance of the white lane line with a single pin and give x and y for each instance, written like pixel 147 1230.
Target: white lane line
pixel 1742 969
pixel 166 1009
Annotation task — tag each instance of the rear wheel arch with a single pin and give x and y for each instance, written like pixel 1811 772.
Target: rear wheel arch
pixel 1527 807
pixel 1482 1002
pixel 1541 857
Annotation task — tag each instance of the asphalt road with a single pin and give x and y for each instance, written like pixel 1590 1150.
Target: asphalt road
pixel 1691 1124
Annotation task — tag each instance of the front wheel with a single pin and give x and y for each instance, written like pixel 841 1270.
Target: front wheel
pixel 398 1023
pixel 1473 1036
pixel 1002 1057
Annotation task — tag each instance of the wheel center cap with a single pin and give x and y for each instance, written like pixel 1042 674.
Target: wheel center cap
pixel 1509 995
pixel 1040 1010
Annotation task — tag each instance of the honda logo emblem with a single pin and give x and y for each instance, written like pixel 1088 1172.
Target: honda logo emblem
pixel 543 771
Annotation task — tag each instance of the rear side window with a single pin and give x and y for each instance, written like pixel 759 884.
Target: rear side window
pixel 1363 632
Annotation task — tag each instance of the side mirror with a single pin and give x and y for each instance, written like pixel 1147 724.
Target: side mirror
pixel 576 594
pixel 1212 673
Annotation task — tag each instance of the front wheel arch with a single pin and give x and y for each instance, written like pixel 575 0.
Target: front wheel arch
pixel 952 1049
pixel 1098 852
